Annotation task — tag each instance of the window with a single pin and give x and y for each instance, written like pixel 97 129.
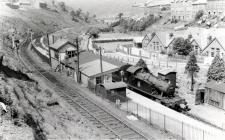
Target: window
pixel 70 54
pixel 218 50
pixel 212 54
pixel 98 80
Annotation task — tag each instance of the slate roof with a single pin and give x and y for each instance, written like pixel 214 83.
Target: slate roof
pixel 114 85
pixel 218 86
pixel 60 43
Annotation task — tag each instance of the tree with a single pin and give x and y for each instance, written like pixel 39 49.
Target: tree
pixel 216 70
pixel 182 46
pixel 199 14
pixel 192 68
pixel 78 12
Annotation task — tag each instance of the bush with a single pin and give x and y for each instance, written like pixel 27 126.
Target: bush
pixel 199 14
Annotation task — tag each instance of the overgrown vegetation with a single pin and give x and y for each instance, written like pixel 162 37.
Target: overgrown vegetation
pixel 199 14
pixel 135 25
pixel 217 69
pixel 182 46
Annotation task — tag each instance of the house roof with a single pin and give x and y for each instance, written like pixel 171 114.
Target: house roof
pixel 164 38
pixel 60 43
pixel 215 39
pixel 92 68
pixel 114 85
pixel 218 86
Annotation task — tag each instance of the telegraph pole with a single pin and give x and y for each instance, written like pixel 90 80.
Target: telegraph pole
pixel 101 60
pixel 49 51
pixel 78 61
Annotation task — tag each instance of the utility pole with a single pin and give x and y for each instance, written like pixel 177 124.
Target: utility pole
pixel 78 61
pixel 101 59
pixel 49 51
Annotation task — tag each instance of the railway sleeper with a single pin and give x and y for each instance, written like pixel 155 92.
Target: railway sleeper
pixel 105 117
pixel 128 135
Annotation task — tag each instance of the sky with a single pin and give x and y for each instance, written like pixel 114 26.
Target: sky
pixel 106 7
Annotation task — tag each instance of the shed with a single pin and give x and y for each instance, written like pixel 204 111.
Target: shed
pixel 215 94
pixel 112 91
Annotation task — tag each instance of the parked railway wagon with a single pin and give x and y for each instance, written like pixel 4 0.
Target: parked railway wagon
pixel 141 81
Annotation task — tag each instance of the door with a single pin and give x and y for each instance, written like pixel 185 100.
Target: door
pixel 198 97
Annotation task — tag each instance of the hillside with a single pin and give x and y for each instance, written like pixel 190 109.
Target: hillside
pixel 33 110
pixel 107 7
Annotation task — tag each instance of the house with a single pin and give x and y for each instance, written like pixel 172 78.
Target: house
pixel 214 47
pixel 185 10
pixel 156 42
pixel 215 7
pixel 215 94
pixel 112 91
pixel 60 51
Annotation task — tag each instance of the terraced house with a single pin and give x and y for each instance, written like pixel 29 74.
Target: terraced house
pixel 185 10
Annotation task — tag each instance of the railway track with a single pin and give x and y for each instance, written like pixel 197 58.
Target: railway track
pixel 110 125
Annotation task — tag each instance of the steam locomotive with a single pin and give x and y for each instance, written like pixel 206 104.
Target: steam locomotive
pixel 159 88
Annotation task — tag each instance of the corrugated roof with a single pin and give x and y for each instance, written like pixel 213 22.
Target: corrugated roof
pixel 114 85
pixel 93 68
pixel 218 86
